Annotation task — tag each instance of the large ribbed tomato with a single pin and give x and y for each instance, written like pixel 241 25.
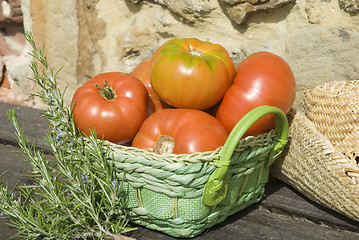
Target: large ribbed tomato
pixel 180 131
pixel 142 72
pixel 115 104
pixel 263 78
pixel 189 73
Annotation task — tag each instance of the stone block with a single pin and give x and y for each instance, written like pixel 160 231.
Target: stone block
pixel 10 11
pixel 350 6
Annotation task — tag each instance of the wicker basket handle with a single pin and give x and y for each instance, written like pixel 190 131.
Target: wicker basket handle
pixel 217 184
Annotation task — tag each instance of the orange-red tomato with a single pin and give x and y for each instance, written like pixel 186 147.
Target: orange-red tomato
pixel 192 131
pixel 263 78
pixel 117 114
pixel 142 72
pixel 189 73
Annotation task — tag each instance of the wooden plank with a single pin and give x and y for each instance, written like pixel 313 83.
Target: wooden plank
pixel 34 125
pixel 15 170
pixel 12 162
pixel 283 199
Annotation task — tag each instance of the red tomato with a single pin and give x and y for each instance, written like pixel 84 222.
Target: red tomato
pixel 263 78
pixel 116 114
pixel 189 73
pixel 192 131
pixel 142 72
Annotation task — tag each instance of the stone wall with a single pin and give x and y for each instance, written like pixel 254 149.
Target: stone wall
pixel 13 64
pixel 318 38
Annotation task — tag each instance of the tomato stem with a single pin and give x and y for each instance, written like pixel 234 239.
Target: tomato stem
pixel 195 52
pixel 107 92
pixel 164 145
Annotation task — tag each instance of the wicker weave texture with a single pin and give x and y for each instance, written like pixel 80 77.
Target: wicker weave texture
pixel 316 168
pixel 334 110
pixel 321 156
pixel 165 192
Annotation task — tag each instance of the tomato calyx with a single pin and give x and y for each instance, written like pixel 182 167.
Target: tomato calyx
pixel 195 52
pixel 107 92
pixel 164 145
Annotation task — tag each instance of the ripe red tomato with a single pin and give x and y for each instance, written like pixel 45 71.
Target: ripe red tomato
pixel 142 72
pixel 263 78
pixel 191 131
pixel 189 73
pixel 116 113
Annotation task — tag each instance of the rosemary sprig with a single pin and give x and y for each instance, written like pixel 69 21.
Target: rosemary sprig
pixel 75 192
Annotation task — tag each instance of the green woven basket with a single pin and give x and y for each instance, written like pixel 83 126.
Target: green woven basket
pixel 183 195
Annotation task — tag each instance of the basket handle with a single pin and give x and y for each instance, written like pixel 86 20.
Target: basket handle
pixel 217 184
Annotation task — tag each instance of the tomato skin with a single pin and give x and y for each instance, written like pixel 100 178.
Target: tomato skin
pixel 142 72
pixel 189 73
pixel 192 130
pixel 118 120
pixel 263 78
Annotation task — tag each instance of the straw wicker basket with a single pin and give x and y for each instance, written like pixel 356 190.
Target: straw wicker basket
pixel 323 152
pixel 183 195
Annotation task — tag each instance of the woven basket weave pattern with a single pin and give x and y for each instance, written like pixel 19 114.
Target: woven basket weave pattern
pixel 334 109
pixel 321 155
pixel 165 192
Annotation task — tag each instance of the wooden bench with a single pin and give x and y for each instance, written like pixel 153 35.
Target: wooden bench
pixel 282 214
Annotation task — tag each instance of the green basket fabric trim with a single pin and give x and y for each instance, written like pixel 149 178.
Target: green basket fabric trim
pixel 158 205
pixel 129 196
pixel 192 209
